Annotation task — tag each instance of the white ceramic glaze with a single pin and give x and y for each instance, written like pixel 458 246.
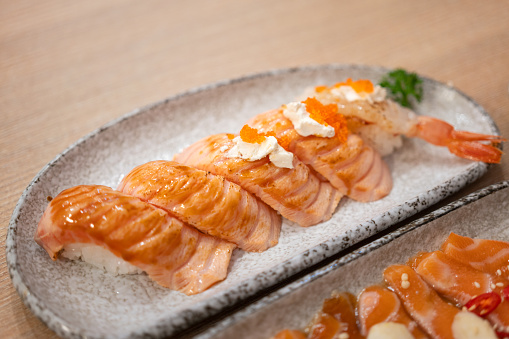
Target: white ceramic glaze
pixel 483 214
pixel 76 300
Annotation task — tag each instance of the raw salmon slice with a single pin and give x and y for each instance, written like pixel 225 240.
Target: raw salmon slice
pixel 297 193
pixel 324 326
pixel 206 201
pixel 424 305
pixel 489 256
pixel 173 254
pixel 460 283
pixel 341 306
pixel 354 168
pixel 377 305
pixel 290 334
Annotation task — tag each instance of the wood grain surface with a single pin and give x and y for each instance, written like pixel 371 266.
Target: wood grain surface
pixel 68 67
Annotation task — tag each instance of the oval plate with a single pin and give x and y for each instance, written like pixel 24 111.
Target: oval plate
pixel 75 299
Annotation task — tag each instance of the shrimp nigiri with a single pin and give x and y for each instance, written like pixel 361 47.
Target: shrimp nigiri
pixel 350 165
pixel 208 202
pixel 376 118
pixel 297 193
pixel 173 254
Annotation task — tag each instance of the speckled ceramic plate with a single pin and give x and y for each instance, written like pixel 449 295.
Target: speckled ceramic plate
pixel 483 215
pixel 75 299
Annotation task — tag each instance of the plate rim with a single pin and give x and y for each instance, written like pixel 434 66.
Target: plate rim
pixel 63 328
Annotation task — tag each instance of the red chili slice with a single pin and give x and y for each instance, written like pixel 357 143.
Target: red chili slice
pixel 484 304
pixel 502 335
pixel 505 293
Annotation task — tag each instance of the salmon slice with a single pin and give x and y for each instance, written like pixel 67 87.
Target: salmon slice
pixel 354 168
pixel 489 256
pixel 341 306
pixel 290 334
pixel 460 283
pixel 206 201
pixel 173 254
pixel 324 326
pixel 297 193
pixel 424 305
pixel 378 304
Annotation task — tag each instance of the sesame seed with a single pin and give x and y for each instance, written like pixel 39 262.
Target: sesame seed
pixel 471 308
pixel 476 284
pixel 499 284
pixel 404 277
pixel 493 286
pixel 405 284
pixel 499 272
pixel 344 335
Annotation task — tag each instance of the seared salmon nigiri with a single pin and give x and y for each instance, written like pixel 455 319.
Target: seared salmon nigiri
pixel 296 192
pixel 491 256
pixel 208 202
pixel 173 254
pixel 377 304
pixel 350 165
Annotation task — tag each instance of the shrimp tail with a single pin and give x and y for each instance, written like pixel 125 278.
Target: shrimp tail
pixel 463 144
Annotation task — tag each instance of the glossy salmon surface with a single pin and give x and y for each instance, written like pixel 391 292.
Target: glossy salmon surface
pixel 377 304
pixel 489 256
pixel 297 193
pixel 173 254
pixel 353 167
pixel 460 283
pixel 424 305
pixel 341 306
pixel 206 201
pixel 290 334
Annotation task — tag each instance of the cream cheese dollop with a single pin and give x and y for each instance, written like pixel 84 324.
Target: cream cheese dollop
pixel 297 113
pixel 389 330
pixel 467 325
pixel 254 151
pixel 349 94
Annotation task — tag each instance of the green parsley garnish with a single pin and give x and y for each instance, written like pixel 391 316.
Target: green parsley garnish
pixel 402 85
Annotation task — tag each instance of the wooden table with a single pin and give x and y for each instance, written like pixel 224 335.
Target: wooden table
pixel 68 67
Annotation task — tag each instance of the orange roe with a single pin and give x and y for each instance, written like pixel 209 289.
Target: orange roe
pixel 284 141
pixel 359 85
pixel 320 89
pixel 327 115
pixel 251 135
pixel 230 136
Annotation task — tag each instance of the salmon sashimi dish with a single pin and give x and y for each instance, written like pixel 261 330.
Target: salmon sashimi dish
pixel 432 296
pixel 294 191
pixel 491 256
pixel 461 284
pixel 172 253
pixel 433 315
pixel 377 304
pixel 350 165
pixel 206 201
pixel 381 121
